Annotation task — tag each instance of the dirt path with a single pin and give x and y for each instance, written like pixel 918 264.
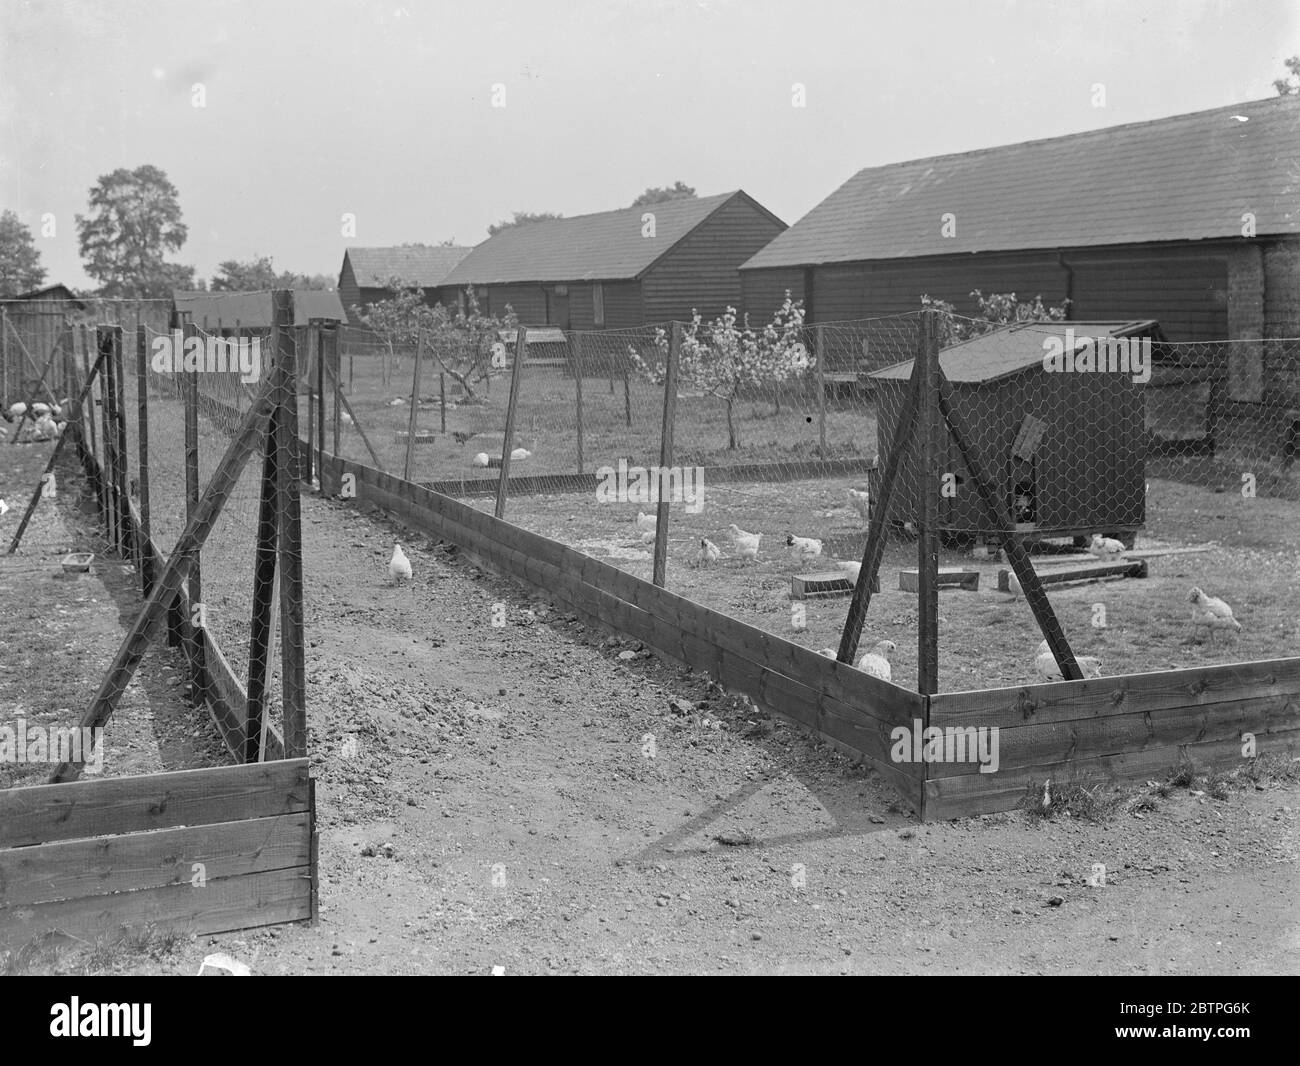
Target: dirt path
pixel 497 774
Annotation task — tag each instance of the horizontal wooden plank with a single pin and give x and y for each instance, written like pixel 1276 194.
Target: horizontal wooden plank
pixel 91 808
pixel 1066 573
pixel 974 794
pixel 1046 742
pixel 1122 694
pixel 266 898
pixel 72 869
pixel 949 577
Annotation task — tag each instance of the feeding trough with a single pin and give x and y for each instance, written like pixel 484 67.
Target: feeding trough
pixel 77 562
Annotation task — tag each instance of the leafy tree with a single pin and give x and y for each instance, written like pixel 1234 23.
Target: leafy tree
pixel 134 221
pixel 460 341
pixel 1290 85
pixel 654 195
pixel 522 218
pixel 995 310
pixel 721 360
pixel 258 275
pixel 20 262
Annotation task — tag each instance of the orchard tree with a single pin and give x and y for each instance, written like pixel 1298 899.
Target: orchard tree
pixel 522 218
pixel 20 262
pixel 460 341
pixel 723 360
pixel 653 195
pixel 995 311
pixel 133 222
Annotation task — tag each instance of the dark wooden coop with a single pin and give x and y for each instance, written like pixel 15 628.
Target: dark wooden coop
pixel 1068 449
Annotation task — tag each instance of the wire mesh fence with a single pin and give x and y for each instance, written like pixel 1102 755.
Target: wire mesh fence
pixel 189 436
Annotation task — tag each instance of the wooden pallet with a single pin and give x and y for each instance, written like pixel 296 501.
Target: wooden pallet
pixel 1070 573
pixel 824 583
pixel 949 577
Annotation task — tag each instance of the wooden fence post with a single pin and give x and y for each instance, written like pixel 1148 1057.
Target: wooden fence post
pixel 292 664
pixel 128 542
pixel 821 387
pixel 627 395
pixel 928 429
pixel 412 421
pixel 516 375
pixel 308 333
pixel 442 400
pixel 575 346
pixel 334 381
pixel 147 560
pixel 193 633
pixel 666 458
pixel 104 345
pixel 4 353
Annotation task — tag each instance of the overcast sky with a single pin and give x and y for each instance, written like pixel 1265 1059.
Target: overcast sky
pixel 383 109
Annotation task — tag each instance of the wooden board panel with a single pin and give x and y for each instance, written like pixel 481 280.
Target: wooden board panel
pixel 89 808
pixel 949 577
pixel 73 869
pixel 1061 573
pixel 1123 694
pixel 974 794
pixel 1043 743
pixel 259 899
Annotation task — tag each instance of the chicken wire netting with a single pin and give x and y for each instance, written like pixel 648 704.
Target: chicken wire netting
pixel 134 424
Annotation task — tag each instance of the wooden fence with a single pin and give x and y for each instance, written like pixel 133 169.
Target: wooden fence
pixel 1124 728
pixel 195 851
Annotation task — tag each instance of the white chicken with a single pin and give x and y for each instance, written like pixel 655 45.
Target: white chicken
pixel 852 569
pixel 16 411
pixel 481 459
pixel 1106 548
pixel 708 553
pixel 40 410
pixel 804 549
pixel 1211 613
pixel 1046 665
pixel 521 453
pixel 1013 586
pixel 399 566
pixel 645 521
pixel 829 653
pixel 860 501
pixel 46 429
pixel 876 661
pixel 746 544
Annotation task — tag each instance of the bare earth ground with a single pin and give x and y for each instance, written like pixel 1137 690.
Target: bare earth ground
pixel 485 801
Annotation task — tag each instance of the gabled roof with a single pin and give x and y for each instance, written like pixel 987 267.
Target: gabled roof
pixel 253 309
pixel 421 264
pixel 1189 177
pixel 57 291
pixel 603 247
pixel 1018 347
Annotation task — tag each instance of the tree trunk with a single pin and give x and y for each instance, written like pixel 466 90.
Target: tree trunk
pixel 731 427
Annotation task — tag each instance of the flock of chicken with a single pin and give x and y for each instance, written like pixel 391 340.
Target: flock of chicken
pixel 47 420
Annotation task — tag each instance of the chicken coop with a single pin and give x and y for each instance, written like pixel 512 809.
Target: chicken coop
pixel 1066 445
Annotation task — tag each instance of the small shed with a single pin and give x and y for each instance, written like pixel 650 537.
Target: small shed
pixel 1053 411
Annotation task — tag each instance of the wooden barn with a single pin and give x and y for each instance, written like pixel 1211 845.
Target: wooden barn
pixel 366 272
pixel 621 269
pixel 1068 448
pixel 1193 220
